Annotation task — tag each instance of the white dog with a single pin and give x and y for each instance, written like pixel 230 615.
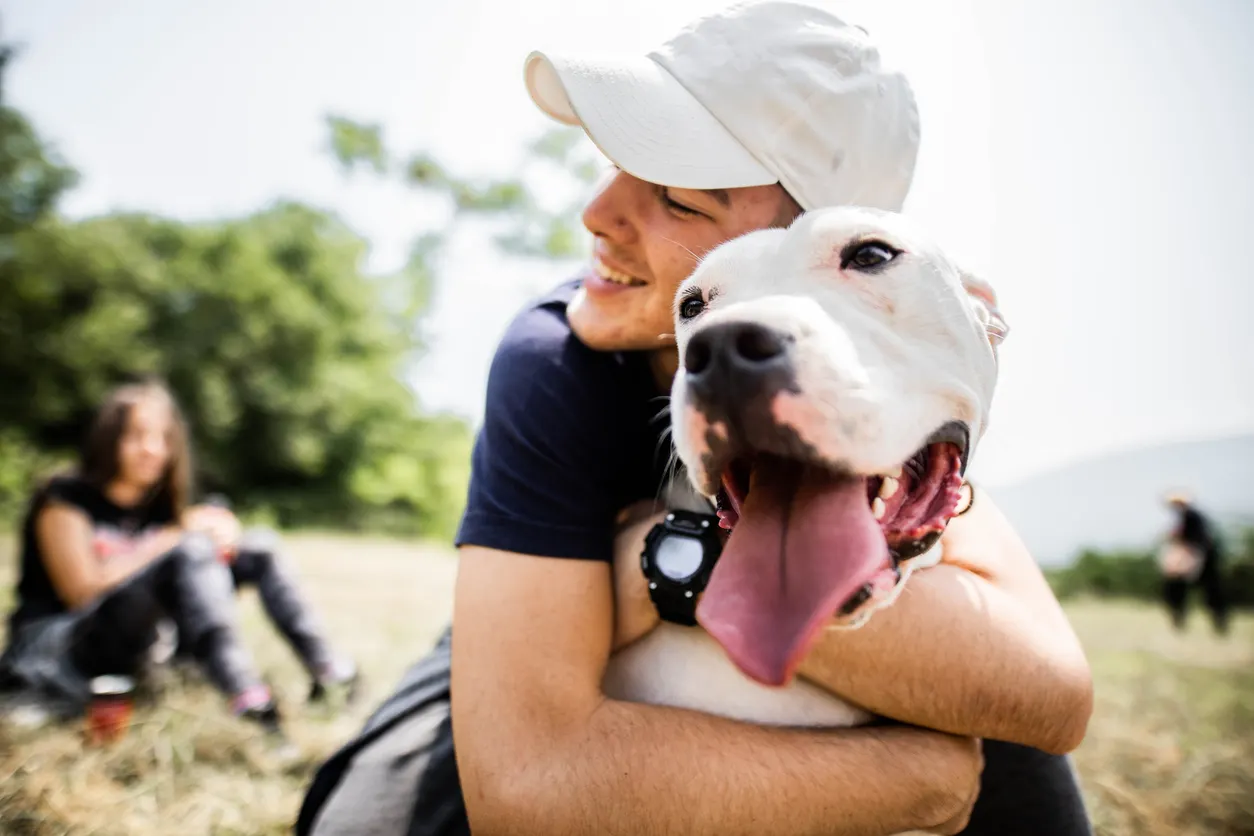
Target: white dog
pixel 836 378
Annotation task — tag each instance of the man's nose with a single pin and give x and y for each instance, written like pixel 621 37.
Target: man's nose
pixel 609 214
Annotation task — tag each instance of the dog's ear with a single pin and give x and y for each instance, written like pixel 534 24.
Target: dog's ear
pixel 983 301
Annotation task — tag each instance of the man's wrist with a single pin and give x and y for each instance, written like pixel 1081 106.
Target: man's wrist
pixel 634 613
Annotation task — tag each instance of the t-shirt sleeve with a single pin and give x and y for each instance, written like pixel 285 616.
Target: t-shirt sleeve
pixel 65 490
pixel 546 456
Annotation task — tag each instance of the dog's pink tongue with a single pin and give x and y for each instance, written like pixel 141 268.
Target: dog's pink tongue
pixel 804 544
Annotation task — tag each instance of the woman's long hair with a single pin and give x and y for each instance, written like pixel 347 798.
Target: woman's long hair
pixel 98 463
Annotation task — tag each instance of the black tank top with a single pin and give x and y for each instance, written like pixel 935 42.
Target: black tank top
pixel 115 530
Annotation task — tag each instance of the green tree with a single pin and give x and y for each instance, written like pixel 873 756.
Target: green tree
pixel 286 355
pixel 282 351
pixel 32 178
pixel 32 175
pixel 559 161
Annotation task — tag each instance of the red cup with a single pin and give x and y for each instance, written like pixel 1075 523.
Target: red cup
pixel 109 712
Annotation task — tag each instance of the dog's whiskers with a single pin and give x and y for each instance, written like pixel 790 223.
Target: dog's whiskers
pixel 671 470
pixel 694 256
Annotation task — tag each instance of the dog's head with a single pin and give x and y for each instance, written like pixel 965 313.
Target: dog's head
pixel 835 378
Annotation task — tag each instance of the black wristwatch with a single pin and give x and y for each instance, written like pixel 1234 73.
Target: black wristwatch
pixel 679 554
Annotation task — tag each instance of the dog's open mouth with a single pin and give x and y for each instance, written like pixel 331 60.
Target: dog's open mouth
pixel 809 544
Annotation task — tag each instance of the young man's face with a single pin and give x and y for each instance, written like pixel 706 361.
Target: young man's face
pixel 648 238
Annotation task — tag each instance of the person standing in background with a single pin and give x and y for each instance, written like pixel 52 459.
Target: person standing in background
pixel 1200 563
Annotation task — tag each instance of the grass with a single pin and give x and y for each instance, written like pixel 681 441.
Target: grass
pixel 188 767
pixel 1170 749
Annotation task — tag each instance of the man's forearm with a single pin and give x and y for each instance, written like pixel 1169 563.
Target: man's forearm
pixel 958 654
pixel 644 769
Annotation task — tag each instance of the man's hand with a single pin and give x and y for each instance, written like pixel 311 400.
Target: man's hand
pixel 970 761
pixel 977 646
pixel 541 750
pixel 635 616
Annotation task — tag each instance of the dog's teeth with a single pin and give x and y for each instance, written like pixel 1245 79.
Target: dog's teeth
pixel 877 508
pixel 888 487
pixel 895 473
pixel 859 598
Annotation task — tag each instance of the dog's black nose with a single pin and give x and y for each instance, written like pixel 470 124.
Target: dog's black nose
pixel 734 360
pixel 744 345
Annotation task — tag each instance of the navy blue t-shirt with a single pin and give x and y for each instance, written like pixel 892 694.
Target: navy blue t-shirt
pixel 570 437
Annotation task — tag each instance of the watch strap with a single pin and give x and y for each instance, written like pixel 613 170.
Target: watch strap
pixel 673 605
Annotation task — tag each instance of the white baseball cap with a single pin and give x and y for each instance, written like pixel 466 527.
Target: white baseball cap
pixel 760 93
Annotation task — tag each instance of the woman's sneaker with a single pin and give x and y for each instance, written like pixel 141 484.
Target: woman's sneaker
pixel 257 705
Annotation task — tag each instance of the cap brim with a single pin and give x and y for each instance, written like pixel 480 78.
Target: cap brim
pixel 643 120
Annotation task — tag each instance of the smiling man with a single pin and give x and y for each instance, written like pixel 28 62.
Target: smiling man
pixel 738 123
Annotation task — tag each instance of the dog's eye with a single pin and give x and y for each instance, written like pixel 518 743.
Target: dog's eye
pixel 691 307
pixel 867 255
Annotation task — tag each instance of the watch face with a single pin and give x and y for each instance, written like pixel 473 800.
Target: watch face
pixel 678 558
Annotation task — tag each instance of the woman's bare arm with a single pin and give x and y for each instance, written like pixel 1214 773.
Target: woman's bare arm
pixel 64 535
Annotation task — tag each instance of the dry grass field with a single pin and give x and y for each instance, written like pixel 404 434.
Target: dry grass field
pixel 1170 749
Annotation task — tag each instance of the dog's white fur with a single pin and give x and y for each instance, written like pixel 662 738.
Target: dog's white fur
pixel 883 359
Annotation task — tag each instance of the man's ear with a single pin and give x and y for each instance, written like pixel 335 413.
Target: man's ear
pixel 983 300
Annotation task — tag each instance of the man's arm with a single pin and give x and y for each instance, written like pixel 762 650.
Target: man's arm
pixel 541 750
pixel 976 646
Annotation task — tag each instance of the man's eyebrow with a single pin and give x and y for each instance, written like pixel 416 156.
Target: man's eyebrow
pixel 721 195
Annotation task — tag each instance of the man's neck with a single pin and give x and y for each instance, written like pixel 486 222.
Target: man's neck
pixel 664 363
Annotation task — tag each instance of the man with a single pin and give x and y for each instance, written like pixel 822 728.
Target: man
pixel 739 122
pixel 1194 531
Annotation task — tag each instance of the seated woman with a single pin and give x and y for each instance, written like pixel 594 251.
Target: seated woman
pixel 111 550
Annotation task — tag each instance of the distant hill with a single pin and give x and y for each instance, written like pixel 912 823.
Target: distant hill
pixel 1116 500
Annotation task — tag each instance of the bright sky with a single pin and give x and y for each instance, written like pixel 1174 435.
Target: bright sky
pixel 1092 159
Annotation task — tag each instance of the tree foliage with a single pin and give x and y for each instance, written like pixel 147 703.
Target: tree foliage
pixel 559 160
pixel 355 145
pixel 277 345
pixel 32 176
pixel 287 357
